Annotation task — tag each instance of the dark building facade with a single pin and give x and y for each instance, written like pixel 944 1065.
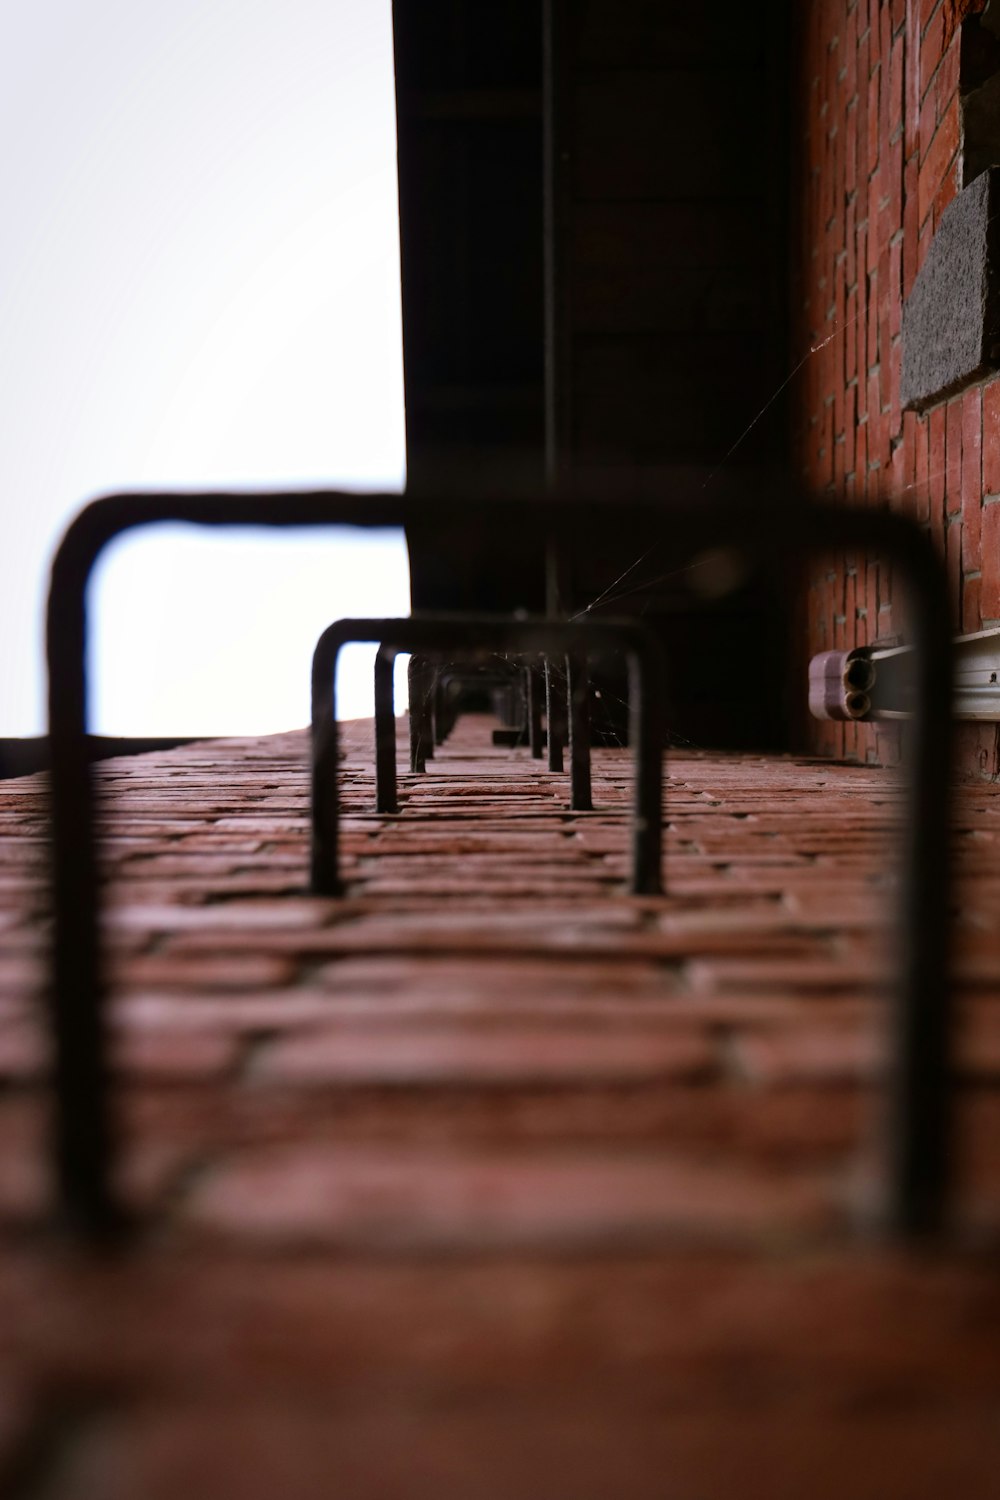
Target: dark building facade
pixel 595 295
pixel 640 239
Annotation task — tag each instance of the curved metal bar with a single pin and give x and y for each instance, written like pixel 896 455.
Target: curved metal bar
pixel 83 1135
pixel 917 1155
pixel 453 674
pixel 918 1122
pixel 467 634
pixel 386 798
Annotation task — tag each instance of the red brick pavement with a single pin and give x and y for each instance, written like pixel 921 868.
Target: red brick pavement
pixel 491 1180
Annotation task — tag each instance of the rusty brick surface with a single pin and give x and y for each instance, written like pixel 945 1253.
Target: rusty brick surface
pixel 490 1179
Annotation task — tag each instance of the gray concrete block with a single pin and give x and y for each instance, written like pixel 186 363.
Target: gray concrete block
pixel 951 319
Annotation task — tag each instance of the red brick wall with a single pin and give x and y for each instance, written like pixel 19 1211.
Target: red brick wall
pixel 879 160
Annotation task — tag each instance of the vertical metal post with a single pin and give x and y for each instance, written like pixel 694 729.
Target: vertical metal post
pixel 557 207
pixel 578 696
pixel 446 713
pixel 646 735
pixel 325 751
pixel 920 1083
pixel 417 762
pixel 555 715
pixel 442 725
pixel 84 1139
pixel 534 691
pixel 511 708
pixel 428 707
pixel 386 799
pixel 421 724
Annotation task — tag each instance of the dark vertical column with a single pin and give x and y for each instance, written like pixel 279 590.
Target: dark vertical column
pixel 428 708
pixel 442 721
pixel 646 737
pixel 555 713
pixel 511 705
pixel 421 731
pixel 921 1080
pixel 557 595
pixel 578 694
pixel 386 800
pixel 556 165
pixel 325 770
pixel 469 154
pixel 84 1138
pixel 533 685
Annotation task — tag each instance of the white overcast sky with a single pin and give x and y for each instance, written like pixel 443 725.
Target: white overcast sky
pixel 199 286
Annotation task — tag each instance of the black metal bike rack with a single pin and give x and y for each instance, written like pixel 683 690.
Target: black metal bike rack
pixel 917 1138
pixel 452 674
pixel 435 722
pixel 466 635
pixel 444 718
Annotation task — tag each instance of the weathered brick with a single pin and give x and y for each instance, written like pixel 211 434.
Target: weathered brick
pixel 972 612
pixel 691 1072
pixel 809 1054
pixel 972 476
pixel 429 1057
pixel 991 561
pixel 954 423
pixel 991 438
pixel 936 165
pixel 400 1199
pixel 931 48
pixel 953 559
